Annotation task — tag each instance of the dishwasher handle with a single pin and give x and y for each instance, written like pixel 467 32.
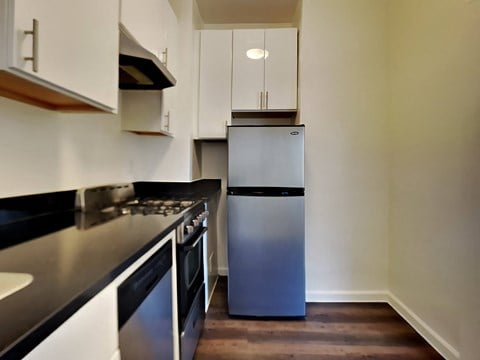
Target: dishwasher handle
pixel 136 288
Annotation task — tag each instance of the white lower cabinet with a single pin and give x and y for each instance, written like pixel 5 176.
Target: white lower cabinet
pixel 90 333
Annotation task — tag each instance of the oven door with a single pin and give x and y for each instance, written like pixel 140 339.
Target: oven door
pixel 190 272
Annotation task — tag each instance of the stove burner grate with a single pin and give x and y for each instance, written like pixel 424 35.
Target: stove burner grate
pixel 153 206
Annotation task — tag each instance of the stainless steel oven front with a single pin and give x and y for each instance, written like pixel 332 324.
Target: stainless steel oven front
pixel 190 281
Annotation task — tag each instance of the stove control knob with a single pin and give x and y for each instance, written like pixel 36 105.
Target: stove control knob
pixel 195 222
pixel 200 217
pixel 189 229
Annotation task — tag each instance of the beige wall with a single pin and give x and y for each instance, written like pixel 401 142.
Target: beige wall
pixel 343 94
pixel 435 167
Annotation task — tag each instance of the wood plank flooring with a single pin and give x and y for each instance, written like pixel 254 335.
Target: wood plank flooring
pixel 331 331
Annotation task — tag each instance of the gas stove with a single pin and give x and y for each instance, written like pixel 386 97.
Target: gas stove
pixel 97 205
pixel 156 206
pixel 194 213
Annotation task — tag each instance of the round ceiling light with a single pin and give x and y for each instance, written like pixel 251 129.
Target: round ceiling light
pixel 256 54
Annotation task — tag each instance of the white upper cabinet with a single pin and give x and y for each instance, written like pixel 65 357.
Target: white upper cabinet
pixel 170 58
pixel 146 112
pixel 281 69
pixel 264 69
pixel 154 25
pixel 60 54
pixel 170 39
pixel 214 99
pixel 248 74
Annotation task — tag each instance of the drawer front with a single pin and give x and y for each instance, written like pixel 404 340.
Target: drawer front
pixel 193 326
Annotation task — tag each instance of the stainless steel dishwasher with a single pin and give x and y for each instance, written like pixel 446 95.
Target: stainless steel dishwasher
pixel 145 310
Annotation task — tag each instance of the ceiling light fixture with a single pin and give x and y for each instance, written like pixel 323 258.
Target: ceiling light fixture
pixel 256 54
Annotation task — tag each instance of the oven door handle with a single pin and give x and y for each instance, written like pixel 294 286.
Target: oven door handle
pixel 191 247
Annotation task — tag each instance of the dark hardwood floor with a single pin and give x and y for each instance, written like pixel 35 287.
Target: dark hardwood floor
pixel 331 331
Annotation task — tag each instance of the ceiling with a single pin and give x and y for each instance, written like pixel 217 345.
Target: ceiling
pixel 247 11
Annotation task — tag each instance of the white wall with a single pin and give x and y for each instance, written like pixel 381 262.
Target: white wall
pixel 435 179
pixel 43 151
pixel 343 95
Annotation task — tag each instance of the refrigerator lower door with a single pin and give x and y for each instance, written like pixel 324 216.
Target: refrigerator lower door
pixel 266 256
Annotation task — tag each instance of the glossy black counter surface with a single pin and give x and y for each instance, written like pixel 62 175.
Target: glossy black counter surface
pixel 69 267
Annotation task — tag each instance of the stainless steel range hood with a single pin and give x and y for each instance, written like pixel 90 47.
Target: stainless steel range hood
pixel 140 69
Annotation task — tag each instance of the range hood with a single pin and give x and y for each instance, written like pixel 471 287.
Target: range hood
pixel 140 69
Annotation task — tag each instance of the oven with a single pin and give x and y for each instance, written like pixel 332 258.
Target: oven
pixel 190 280
pixel 190 271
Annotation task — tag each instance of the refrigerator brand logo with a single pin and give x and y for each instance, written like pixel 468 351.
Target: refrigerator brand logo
pixel 294 133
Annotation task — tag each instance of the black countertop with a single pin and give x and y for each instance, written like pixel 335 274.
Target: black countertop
pixel 70 265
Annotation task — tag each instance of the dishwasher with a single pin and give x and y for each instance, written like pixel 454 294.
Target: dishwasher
pixel 145 310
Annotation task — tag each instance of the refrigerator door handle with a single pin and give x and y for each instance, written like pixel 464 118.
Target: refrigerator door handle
pixel 272 191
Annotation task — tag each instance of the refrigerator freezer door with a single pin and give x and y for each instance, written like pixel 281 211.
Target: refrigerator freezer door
pixel 266 156
pixel 266 256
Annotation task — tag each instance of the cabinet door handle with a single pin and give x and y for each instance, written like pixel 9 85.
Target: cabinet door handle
pixel 165 56
pixel 167 122
pixel 261 100
pixel 34 57
pixel 266 99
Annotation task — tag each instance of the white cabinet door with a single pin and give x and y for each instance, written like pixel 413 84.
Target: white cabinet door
pixel 144 112
pixel 281 69
pixel 170 59
pixel 170 38
pixel 76 42
pixel 90 333
pixel 144 21
pixel 215 84
pixel 248 72
pixel 153 23
pixel 264 69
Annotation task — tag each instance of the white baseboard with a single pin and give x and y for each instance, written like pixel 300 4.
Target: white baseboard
pixel 347 296
pixel 223 271
pixel 434 339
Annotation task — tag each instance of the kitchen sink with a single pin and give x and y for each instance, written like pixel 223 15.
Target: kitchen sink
pixel 10 283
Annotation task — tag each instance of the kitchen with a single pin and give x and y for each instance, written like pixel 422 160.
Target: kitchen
pixel 388 93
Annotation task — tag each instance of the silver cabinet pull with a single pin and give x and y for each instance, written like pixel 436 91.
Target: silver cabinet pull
pixel 165 56
pixel 261 100
pixel 167 121
pixel 34 57
pixel 266 99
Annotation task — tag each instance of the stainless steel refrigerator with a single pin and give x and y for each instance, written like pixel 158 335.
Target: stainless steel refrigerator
pixel 266 222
